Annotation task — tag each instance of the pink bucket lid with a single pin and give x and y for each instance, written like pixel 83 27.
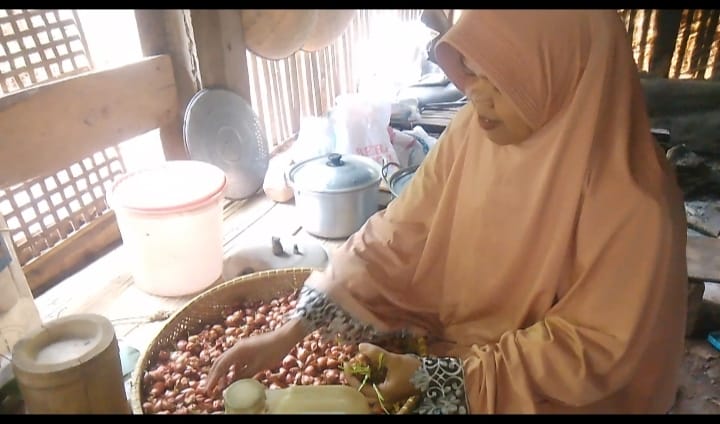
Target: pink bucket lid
pixel 174 186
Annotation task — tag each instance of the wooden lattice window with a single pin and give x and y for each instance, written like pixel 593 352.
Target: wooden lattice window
pixel 46 210
pixel 40 46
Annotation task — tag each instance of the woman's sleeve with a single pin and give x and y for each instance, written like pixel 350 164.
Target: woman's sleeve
pixel 441 383
pixel 317 312
pixel 630 280
pixel 360 293
pixel 631 277
pixel 439 379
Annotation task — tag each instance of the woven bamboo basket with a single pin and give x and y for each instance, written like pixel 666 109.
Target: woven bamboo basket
pixel 207 308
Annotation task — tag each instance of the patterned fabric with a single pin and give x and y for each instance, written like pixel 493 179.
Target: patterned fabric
pixel 318 312
pixel 441 380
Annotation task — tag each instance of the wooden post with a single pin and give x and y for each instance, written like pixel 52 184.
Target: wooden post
pixel 169 32
pixel 631 26
pixel 701 17
pixel 222 59
pixel 647 17
pixel 686 29
pixel 707 41
pixel 668 26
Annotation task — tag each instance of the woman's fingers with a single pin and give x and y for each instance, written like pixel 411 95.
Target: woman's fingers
pixel 366 389
pixel 372 351
pixel 244 371
pixel 218 369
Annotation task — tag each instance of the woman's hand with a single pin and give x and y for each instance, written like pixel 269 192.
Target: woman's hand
pixel 255 354
pixel 400 369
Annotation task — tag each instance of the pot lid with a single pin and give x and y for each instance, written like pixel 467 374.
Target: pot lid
pixel 335 173
pixel 221 128
pixel 275 253
pixel 171 186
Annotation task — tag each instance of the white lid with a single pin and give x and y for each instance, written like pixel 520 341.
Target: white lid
pixel 172 186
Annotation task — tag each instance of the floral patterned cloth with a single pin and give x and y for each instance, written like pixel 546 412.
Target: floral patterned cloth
pixel 440 380
pixel 442 384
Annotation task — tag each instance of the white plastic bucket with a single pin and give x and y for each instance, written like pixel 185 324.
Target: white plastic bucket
pixel 170 220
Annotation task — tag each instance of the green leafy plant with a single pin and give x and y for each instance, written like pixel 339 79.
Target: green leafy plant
pixel 361 368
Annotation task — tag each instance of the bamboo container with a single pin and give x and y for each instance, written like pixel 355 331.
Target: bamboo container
pixel 71 366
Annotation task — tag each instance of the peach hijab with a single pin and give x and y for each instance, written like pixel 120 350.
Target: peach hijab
pixel 555 268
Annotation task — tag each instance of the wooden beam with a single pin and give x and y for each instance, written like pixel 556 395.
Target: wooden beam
pixel 169 32
pixel 71 255
pixel 50 127
pixel 672 97
pixel 702 258
pixel 222 57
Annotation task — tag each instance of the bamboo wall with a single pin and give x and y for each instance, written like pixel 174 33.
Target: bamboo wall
pixel 679 43
pixel 306 84
pixel 675 43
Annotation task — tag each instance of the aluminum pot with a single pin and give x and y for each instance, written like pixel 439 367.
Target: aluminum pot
pixel 335 194
pixel 399 179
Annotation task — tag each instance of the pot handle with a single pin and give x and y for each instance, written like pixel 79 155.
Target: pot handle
pixel 384 170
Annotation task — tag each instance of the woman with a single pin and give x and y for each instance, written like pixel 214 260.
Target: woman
pixel 542 241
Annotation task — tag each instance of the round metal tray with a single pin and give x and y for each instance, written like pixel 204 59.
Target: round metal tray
pixel 221 128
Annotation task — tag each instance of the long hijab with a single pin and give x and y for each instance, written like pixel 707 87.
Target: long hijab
pixel 554 267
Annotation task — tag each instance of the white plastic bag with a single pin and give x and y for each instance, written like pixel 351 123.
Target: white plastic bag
pixel 315 138
pixel 406 147
pixel 425 139
pixel 412 146
pixel 275 185
pixel 361 127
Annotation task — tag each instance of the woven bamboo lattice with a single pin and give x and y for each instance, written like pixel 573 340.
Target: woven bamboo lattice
pixel 39 46
pixel 36 47
pixel 207 308
pixel 46 210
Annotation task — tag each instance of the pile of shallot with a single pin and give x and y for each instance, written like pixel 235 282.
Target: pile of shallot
pixel 175 382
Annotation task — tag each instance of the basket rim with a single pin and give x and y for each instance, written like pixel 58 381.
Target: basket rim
pixel 136 380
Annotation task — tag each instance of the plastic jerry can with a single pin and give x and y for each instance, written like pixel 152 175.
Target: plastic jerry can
pixel 248 396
